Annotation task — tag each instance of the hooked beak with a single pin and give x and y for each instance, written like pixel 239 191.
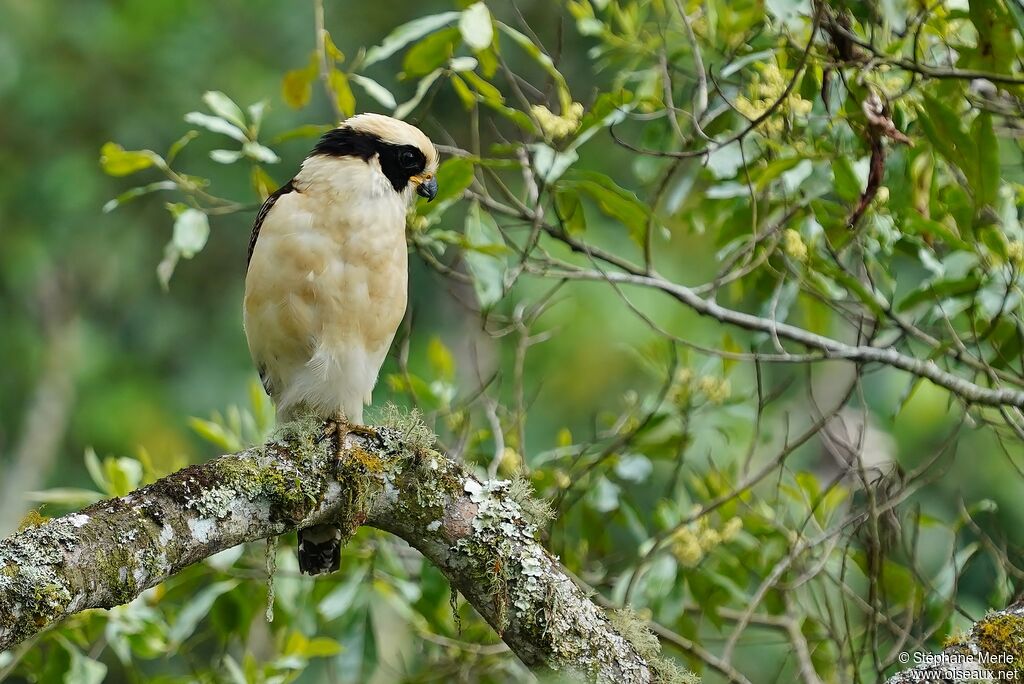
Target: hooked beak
pixel 428 188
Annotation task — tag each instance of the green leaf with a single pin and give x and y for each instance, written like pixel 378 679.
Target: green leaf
pixel 194 611
pixel 476 26
pixel 179 144
pixel 406 108
pixel 83 669
pixel 941 125
pixel 737 64
pixel 225 156
pixel 256 111
pixel 216 125
pixel 993 238
pixel 223 106
pixel 257 152
pixel 261 182
pixel 322 647
pixel 1017 12
pixel 487 269
pixel 441 360
pixel 569 209
pixel 215 434
pixel 297 87
pixel 165 269
pixel 633 467
pixel 407 33
pixel 123 474
pixel 775 169
pixel 608 109
pixel 486 90
pixel 1007 341
pixel 459 64
pixel 915 224
pixel 333 53
pixel 374 90
pixel 343 95
pixel 732 346
pixel 986 178
pixel 940 289
pixel 129 195
pixel 550 163
pixel 431 53
pixel 453 177
pixel 994 50
pixel 191 230
pixel 71 497
pixel 117 161
pixel 95 470
pixel 613 201
pixel 466 96
pixel 855 287
pixel 339 600
pixel 318 647
pixel 520 119
pixel 847 184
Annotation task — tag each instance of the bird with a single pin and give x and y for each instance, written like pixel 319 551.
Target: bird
pixel 326 283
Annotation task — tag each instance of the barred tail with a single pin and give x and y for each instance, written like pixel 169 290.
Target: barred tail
pixel 319 549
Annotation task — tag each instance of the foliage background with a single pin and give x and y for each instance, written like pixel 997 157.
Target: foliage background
pixel 623 435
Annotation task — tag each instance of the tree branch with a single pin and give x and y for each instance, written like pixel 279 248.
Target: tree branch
pixel 475 532
pixel 830 348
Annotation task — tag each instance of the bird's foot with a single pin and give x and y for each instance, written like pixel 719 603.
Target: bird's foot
pixel 365 431
pixel 337 429
pixel 345 428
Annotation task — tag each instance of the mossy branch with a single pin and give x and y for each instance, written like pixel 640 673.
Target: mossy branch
pixel 475 532
pixel 993 650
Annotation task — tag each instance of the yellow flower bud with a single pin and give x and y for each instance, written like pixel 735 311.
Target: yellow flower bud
pixel 794 246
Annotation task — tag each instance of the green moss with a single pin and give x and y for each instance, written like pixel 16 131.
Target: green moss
pixel 301 433
pixel 1001 635
pixel 633 628
pixel 410 426
pixel 666 671
pixel 536 510
pixel 32 519
pixel 955 639
pixel 369 461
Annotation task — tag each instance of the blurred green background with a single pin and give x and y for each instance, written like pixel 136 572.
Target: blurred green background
pixel 119 365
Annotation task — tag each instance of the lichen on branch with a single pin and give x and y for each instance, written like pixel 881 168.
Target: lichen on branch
pixel 993 650
pixel 481 535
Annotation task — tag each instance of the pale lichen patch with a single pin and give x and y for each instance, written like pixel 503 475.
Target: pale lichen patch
pixel 78 520
pixel 202 528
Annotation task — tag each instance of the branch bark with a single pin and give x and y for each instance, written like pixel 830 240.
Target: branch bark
pixel 475 532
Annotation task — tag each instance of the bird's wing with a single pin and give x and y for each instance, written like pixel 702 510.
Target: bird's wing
pixel 268 204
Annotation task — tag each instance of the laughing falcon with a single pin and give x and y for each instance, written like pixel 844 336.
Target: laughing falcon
pixel 327 278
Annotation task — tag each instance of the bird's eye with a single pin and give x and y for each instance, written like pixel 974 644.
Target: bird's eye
pixel 409 160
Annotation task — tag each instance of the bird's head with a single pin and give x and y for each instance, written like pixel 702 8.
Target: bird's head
pixel 405 156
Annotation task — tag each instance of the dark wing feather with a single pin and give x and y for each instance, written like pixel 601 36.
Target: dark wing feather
pixel 268 204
